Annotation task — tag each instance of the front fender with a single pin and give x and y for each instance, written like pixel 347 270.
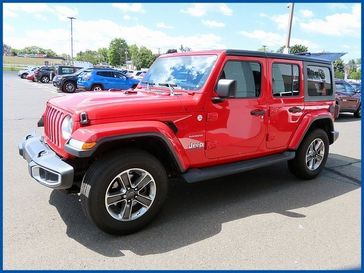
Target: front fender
pixel 102 133
pixel 305 125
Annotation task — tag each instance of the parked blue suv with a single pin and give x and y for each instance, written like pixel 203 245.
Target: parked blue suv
pixel 104 79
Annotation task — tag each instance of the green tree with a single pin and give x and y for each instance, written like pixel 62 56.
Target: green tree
pixel 117 49
pixel 298 49
pixel 145 58
pixel 103 55
pixel 339 69
pixel 133 51
pixel 88 56
pixel 280 50
pixel 6 49
pixel 355 75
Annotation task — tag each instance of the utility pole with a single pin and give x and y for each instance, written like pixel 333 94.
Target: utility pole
pixel 290 19
pixel 71 18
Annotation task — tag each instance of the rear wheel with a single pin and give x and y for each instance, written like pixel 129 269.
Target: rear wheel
pixel 311 156
pixel 69 87
pixel 357 113
pixel 97 87
pixel 44 79
pixel 122 192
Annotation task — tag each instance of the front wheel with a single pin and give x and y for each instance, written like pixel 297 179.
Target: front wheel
pixel 69 87
pixel 122 192
pixel 97 88
pixel 311 156
pixel 357 113
pixel 44 79
pixel 24 75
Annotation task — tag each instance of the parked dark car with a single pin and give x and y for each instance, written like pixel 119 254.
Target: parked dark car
pixel 356 85
pixel 347 99
pixel 47 73
pixel 67 83
pixel 104 79
pixel 44 74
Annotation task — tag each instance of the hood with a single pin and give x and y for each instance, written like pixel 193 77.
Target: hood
pixel 116 106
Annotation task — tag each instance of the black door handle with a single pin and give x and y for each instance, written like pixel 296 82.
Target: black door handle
pixel 257 112
pixel 295 109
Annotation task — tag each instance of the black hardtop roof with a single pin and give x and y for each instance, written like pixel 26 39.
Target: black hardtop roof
pixel 236 52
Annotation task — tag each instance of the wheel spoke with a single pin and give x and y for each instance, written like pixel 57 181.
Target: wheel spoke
pixel 126 214
pixel 143 200
pixel 113 199
pixel 318 146
pixel 125 180
pixel 144 181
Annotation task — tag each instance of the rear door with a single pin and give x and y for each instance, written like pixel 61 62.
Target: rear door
pixel 286 101
pixel 120 81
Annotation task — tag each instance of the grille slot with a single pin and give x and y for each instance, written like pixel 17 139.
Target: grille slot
pixel 52 124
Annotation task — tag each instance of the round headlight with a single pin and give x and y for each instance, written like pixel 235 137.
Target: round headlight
pixel 67 126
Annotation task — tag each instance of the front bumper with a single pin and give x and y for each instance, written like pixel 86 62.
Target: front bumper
pixel 44 165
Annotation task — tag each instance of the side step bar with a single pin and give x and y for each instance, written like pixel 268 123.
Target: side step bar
pixel 196 175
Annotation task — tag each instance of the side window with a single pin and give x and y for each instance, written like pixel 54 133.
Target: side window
pixel 349 88
pixel 340 87
pixel 67 70
pixel 247 76
pixel 285 80
pixel 319 81
pixel 119 75
pixel 105 74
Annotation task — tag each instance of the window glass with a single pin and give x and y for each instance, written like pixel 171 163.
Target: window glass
pixel 67 70
pixel 285 80
pixel 119 75
pixel 319 81
pixel 247 76
pixel 340 87
pixel 109 74
pixel 349 88
pixel 186 72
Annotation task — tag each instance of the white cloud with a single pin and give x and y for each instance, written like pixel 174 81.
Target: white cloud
pixel 337 6
pixel 39 10
pixel 127 17
pixel 63 12
pixel 135 7
pixel 272 39
pixel 338 24
pixel 163 25
pixel 212 23
pixel 306 13
pixel 59 39
pixel 198 10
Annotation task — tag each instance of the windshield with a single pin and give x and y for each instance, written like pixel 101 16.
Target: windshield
pixel 184 72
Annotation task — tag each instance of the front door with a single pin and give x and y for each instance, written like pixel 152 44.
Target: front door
pixel 237 126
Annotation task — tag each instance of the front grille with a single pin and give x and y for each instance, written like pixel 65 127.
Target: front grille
pixel 52 124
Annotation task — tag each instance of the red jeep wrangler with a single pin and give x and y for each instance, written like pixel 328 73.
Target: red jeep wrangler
pixel 196 115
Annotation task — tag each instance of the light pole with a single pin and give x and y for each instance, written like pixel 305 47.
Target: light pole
pixel 71 18
pixel 290 19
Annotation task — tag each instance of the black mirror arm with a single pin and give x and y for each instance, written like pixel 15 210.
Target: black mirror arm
pixel 217 99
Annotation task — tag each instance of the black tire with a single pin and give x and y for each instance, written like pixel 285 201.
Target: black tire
pixel 24 75
pixel 97 87
pixel 69 87
pixel 298 165
pixel 98 180
pixel 44 79
pixel 337 111
pixel 134 86
pixel 357 113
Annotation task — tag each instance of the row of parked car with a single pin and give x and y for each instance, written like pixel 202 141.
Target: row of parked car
pixel 69 78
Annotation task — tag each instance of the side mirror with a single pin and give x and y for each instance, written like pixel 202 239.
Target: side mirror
pixel 225 88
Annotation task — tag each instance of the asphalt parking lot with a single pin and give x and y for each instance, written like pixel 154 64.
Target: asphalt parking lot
pixel 262 219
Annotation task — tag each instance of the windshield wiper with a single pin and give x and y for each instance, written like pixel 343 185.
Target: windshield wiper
pixel 148 84
pixel 171 87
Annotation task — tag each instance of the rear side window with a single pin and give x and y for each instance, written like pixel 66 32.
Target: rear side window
pixel 109 74
pixel 319 81
pixel 247 76
pixel 67 70
pixel 285 80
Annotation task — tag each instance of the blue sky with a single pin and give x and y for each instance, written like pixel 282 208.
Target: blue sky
pixel 327 27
